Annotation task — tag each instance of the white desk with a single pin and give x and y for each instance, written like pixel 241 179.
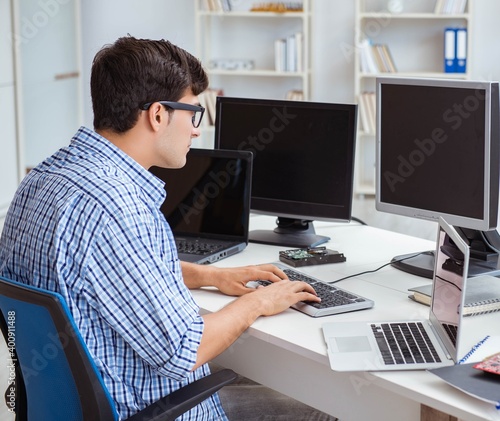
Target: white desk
pixel 287 352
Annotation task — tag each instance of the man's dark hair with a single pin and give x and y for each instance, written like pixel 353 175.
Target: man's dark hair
pixel 132 72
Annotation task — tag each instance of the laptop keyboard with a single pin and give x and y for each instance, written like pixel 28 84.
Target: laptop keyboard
pixel 404 343
pixel 334 300
pixel 197 247
pixel 451 330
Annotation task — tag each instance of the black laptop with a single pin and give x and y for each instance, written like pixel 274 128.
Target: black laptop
pixel 208 203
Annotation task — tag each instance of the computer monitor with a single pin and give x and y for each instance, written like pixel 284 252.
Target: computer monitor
pixel 438 155
pixel 303 165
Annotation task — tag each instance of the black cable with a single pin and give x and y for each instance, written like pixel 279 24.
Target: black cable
pixel 355 219
pixel 448 282
pixel 375 270
pixel 488 242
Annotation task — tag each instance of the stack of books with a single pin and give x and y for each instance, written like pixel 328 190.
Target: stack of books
pixel 278 7
pixel 367 107
pixel 376 58
pixel 207 100
pixel 218 5
pixel 450 7
pixel 295 95
pixel 288 53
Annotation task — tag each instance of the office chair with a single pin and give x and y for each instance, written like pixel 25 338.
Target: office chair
pixel 56 377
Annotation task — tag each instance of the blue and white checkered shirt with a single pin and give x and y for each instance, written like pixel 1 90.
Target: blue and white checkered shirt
pixel 86 223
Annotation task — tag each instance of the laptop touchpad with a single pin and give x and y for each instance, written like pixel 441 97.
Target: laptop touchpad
pixel 352 344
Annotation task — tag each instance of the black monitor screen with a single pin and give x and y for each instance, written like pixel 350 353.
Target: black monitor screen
pixel 210 195
pixel 303 155
pixel 433 149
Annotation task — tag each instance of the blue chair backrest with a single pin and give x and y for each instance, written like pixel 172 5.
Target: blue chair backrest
pixel 61 379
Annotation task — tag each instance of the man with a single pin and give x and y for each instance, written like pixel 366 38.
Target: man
pixel 86 223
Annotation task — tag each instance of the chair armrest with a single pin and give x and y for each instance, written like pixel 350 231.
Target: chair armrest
pixel 182 400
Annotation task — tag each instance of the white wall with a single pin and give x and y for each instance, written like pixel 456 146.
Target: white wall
pixel 105 21
pixel 333 33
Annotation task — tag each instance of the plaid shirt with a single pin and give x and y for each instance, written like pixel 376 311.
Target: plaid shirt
pixel 86 223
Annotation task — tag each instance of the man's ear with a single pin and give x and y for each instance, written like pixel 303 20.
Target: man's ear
pixel 156 114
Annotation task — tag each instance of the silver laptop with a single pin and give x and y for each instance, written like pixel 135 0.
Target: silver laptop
pixel 208 203
pixel 395 345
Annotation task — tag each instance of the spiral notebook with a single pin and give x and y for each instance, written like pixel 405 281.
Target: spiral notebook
pixel 410 344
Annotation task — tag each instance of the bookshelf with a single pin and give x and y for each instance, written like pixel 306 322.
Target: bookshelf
pixel 253 52
pixel 412 35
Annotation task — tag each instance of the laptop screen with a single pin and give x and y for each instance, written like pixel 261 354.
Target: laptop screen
pixel 210 196
pixel 451 272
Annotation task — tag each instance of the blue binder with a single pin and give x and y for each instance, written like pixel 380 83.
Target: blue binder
pixel 450 44
pixel 461 50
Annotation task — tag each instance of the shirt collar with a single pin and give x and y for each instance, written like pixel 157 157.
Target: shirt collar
pixel 131 169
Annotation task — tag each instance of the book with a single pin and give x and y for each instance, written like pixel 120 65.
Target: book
pixel 295 95
pixel 450 7
pixel 207 100
pixel 461 50
pixel 375 58
pixel 391 67
pixel 291 53
pixel 280 55
pixel 288 53
pixel 367 60
pixel 466 377
pixel 367 112
pixel 450 49
pixel 482 295
pixel 364 116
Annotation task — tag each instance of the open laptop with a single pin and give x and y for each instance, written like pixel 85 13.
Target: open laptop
pixel 208 203
pixel 362 346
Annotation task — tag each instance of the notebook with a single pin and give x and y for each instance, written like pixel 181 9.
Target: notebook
pixel 361 346
pixel 208 203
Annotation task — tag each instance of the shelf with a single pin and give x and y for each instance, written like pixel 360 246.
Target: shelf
pixel 416 74
pixel 378 15
pixel 267 73
pixel 292 15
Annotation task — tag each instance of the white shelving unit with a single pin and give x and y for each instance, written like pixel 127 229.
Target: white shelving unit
pixel 48 75
pixel 241 35
pixel 415 38
pixel 40 92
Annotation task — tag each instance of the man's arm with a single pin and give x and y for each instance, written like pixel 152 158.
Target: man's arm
pixel 223 327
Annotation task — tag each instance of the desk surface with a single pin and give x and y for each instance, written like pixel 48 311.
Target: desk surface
pixel 287 351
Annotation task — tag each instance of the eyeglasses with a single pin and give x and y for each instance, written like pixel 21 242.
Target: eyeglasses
pixel 198 110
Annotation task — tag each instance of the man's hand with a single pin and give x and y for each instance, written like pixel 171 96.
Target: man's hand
pixel 277 297
pixel 230 281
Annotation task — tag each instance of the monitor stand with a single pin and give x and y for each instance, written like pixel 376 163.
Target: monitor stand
pixel 483 257
pixel 290 232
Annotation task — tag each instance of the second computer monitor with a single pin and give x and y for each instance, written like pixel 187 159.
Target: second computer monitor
pixel 303 162
pixel 438 156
